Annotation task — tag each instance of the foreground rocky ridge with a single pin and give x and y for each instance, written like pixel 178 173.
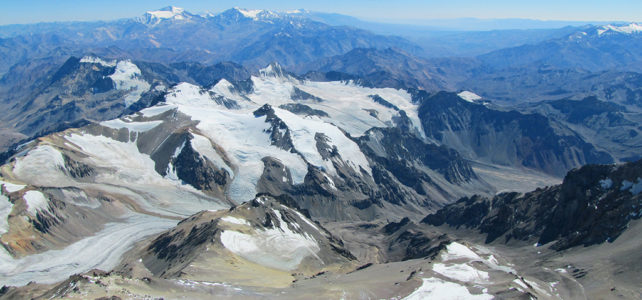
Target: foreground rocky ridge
pixel 594 204
pixel 263 248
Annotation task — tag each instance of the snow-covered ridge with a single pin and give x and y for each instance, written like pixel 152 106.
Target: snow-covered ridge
pixel 268 15
pixel 172 13
pixel 631 28
pixel 98 60
pixel 250 13
pixel 167 13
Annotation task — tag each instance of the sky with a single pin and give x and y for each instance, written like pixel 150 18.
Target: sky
pixel 398 11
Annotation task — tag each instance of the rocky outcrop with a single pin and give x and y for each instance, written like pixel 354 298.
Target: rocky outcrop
pixel 197 171
pixel 302 109
pixel 279 132
pixel 593 205
pixel 263 222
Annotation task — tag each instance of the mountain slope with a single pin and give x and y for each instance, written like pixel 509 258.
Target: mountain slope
pixel 504 137
pixel 608 126
pixel 383 67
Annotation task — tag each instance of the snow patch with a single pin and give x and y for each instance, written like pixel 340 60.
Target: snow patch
pixel 43 165
pixel 5 210
pixel 278 247
pixel 226 89
pixel 168 13
pixel 128 77
pixel 435 288
pixel 171 170
pixel 606 183
pixel 340 99
pixel 156 110
pixel 243 136
pixel 126 167
pixel 35 201
pixel 132 126
pixel 461 272
pixel 79 198
pixel 11 187
pixel 634 188
pixel 469 96
pixel 456 250
pixel 234 220
pixel 522 286
pixel 97 60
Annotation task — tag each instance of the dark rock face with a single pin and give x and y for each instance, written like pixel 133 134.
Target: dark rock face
pixel 180 247
pixel 206 75
pixel 606 124
pixel 298 94
pixel 384 102
pixel 279 132
pixel 588 108
pixel 302 109
pixel 594 204
pixel 198 171
pixel 406 240
pixel 504 137
pixel 77 169
pixel 404 151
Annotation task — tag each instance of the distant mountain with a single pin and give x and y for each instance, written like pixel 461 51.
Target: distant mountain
pixel 251 37
pixel 170 13
pixel 593 48
pixel 529 84
pixel 389 67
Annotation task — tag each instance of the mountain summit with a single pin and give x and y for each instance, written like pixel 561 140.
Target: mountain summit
pixel 174 13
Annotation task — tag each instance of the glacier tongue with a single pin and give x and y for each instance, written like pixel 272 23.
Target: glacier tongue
pixel 102 251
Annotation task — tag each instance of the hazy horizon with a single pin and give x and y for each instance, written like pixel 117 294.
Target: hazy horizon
pixel 409 12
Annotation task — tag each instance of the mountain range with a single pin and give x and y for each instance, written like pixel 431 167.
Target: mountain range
pixel 262 154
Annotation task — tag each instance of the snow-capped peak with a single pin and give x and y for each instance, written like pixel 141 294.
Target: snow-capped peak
pixel 165 13
pixel 262 15
pixel 249 13
pixel 627 29
pixel 297 11
pixel 272 70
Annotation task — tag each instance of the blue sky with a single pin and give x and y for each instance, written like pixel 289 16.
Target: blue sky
pixel 407 11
